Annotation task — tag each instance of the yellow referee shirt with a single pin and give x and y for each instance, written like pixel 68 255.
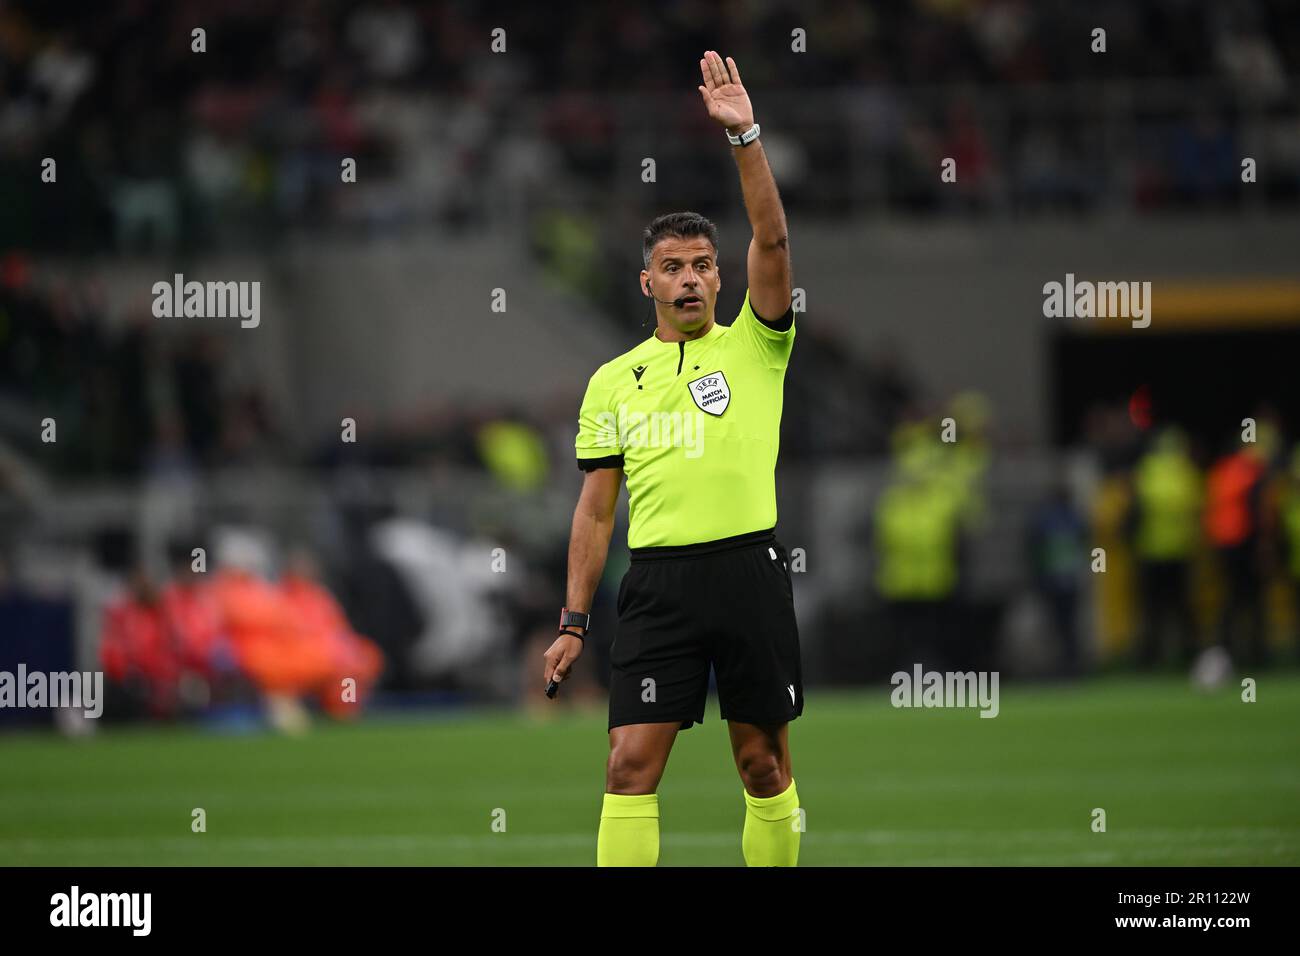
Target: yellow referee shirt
pixel 695 426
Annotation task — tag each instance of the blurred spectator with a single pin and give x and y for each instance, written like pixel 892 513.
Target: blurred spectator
pixel 1166 504
pixel 139 654
pixel 964 460
pixel 1288 518
pixel 514 453
pixel 351 655
pixel 291 646
pixel 192 616
pixel 917 526
pixel 1058 547
pixel 1233 512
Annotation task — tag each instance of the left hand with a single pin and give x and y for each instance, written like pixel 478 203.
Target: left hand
pixel 725 97
pixel 561 656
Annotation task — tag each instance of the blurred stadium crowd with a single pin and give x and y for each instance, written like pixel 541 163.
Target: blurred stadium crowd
pixel 166 412
pixel 378 561
pixel 161 148
pixel 1191 553
pixel 135 399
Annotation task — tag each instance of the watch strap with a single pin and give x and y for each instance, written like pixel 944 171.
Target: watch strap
pixel 745 138
pixel 574 619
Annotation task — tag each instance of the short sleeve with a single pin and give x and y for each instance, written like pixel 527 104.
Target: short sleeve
pixel 771 339
pixel 597 444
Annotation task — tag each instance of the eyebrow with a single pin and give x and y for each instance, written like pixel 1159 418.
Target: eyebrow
pixel 668 259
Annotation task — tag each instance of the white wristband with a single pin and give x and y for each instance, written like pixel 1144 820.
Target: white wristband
pixel 745 138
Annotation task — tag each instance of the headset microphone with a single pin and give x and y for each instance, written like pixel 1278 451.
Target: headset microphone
pixel 678 302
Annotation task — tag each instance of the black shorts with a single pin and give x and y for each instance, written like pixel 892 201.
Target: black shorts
pixel 725 603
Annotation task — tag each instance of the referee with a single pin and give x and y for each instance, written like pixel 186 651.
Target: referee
pixel 692 417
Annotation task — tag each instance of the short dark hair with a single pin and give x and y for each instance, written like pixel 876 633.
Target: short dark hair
pixel 679 225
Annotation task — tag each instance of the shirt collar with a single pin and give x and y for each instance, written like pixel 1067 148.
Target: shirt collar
pixel 713 330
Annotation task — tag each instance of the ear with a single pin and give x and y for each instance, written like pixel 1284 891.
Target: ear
pixel 645 282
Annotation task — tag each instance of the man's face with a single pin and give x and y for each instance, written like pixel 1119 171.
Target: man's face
pixel 680 268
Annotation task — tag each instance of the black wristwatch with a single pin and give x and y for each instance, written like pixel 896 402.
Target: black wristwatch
pixel 570 619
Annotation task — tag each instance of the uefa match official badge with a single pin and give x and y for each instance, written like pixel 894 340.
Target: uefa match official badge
pixel 711 393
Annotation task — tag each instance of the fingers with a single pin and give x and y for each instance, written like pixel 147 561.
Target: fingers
pixel 735 71
pixel 716 73
pixel 716 69
pixel 559 659
pixel 561 670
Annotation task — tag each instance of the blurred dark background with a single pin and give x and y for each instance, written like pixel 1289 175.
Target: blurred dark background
pixel 427 557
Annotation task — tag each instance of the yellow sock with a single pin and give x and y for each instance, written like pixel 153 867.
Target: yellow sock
pixel 772 828
pixel 629 830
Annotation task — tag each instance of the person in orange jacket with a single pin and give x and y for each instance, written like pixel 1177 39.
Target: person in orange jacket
pixel 290 638
pixel 271 645
pixel 1233 525
pixel 193 615
pixel 351 655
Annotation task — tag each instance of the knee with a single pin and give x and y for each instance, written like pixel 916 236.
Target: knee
pixel 762 773
pixel 630 771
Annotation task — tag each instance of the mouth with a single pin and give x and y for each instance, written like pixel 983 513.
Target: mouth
pixel 692 301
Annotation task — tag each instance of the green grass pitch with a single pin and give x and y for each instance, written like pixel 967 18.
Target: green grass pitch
pixel 1185 778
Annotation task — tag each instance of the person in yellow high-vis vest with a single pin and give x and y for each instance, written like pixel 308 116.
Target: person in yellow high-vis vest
pixel 1289 521
pixel 1167 497
pixel 917 526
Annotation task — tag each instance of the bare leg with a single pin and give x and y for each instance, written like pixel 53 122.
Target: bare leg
pixel 762 755
pixel 638 754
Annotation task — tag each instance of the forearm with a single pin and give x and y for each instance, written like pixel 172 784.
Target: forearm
pixel 588 549
pixel 762 200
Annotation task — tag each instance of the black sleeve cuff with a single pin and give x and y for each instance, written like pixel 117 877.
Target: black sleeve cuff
pixel 778 325
pixel 609 461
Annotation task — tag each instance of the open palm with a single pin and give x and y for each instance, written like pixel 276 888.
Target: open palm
pixel 725 97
